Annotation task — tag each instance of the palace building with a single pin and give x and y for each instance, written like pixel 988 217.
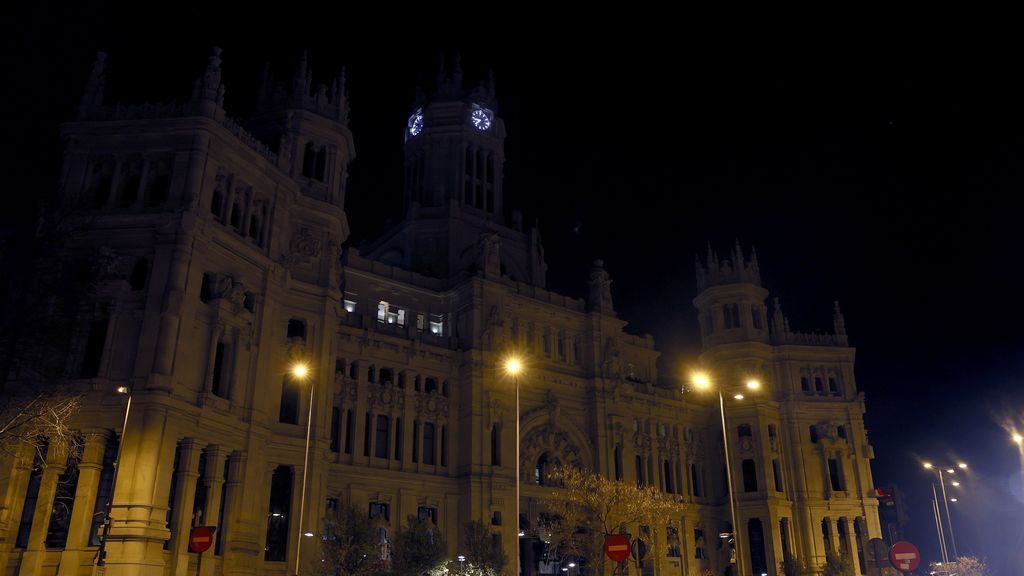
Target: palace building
pixel 216 258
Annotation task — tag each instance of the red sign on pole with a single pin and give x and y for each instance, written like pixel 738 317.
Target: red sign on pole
pixel 200 539
pixel 616 547
pixel 904 556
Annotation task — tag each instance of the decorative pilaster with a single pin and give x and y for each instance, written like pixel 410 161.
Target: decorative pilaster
pixel 181 510
pixel 213 481
pixel 35 552
pixel 90 470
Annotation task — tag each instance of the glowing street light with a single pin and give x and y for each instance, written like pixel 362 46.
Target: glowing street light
pixel 702 381
pixel 300 371
pixel 513 367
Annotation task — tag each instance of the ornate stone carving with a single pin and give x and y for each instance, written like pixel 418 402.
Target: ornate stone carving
pixel 305 246
pixel 553 441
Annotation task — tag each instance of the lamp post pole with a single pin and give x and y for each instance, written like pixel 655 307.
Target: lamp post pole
pixel 513 366
pixel 101 553
pixel 949 519
pixel 301 371
pixel 732 493
pixel 938 525
pixel 515 377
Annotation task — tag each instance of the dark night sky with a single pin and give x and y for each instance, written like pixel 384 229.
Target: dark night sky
pixel 882 176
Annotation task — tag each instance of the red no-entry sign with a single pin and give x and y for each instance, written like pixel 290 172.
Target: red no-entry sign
pixel 616 547
pixel 200 539
pixel 904 556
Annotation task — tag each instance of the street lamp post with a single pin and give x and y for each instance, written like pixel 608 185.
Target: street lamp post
pixel 301 371
pixel 101 553
pixel 945 500
pixel 703 382
pixel 513 366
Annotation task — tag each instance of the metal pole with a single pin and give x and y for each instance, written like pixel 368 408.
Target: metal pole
pixel 101 553
pixel 938 525
pixel 305 474
pixel 732 495
pixel 519 566
pixel 949 518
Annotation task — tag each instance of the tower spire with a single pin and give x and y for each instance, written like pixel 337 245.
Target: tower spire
pixel 838 321
pixel 208 92
pixel 92 97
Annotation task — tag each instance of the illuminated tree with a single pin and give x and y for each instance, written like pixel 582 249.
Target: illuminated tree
pixel 418 549
pixel 588 507
pixel 484 556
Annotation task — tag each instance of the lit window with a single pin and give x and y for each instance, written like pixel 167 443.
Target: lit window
pixel 437 324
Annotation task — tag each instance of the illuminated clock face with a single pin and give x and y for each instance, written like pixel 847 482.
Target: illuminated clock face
pixel 416 123
pixel 481 118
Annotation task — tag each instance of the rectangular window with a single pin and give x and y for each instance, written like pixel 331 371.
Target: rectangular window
pixel 696 482
pixel 172 495
pixel 297 329
pixel 669 487
pixel 96 339
pixel 639 472
pixel 289 413
pixel 415 440
pixel 698 544
pixel 777 470
pixel 495 445
pixel 398 438
pixel 429 444
pixel 103 494
pixel 219 534
pixel 749 476
pixel 835 475
pixel 755 315
pixel 218 384
pixel 546 341
pixel 380 510
pixel 350 430
pixel 335 428
pixel 383 431
pixel 618 463
pixel 437 324
pixel 35 480
pixel 561 345
pixel 444 445
pixel 199 500
pixel 421 322
pixel 367 434
pixel 278 516
pixel 427 513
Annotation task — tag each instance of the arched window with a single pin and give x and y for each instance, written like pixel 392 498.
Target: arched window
pixel 805 384
pixel 814 434
pixel 819 387
pixel 540 471
pixel 496 445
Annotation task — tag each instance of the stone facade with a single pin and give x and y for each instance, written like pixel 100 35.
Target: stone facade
pixel 224 267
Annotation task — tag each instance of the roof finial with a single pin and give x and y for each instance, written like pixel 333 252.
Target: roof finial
pixel 92 97
pixel 208 92
pixel 838 321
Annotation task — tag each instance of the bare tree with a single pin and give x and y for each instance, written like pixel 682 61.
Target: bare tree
pixel 964 566
pixel 588 507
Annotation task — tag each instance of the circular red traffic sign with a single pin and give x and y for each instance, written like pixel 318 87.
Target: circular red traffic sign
pixel 200 539
pixel 616 547
pixel 904 556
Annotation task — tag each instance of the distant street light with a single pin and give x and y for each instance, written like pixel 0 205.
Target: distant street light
pixel 939 470
pixel 702 381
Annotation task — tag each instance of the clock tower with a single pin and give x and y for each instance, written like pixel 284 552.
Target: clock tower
pixel 453 193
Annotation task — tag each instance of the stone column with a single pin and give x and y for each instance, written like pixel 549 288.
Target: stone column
pixel 213 481
pixel 181 510
pixel 240 539
pixel 35 552
pixel 90 470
